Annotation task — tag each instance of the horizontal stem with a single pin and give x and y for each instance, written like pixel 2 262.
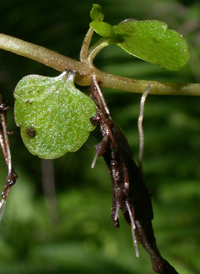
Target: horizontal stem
pixel 60 62
pixel 139 86
pixel 45 56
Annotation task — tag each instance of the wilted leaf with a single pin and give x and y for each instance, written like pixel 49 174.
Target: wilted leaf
pixel 53 115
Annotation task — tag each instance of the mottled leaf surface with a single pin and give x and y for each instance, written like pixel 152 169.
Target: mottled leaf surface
pixel 53 115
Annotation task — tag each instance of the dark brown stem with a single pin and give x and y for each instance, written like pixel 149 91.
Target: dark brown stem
pixel 5 146
pixel 130 193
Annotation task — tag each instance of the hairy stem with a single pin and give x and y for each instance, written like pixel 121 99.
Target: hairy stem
pixel 84 72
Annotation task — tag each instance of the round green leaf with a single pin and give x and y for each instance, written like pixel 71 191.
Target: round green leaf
pixel 153 42
pixel 102 28
pixel 53 115
pixel 97 13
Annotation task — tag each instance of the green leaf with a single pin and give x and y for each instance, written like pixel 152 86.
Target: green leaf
pixel 153 42
pixel 102 28
pixel 97 13
pixel 53 115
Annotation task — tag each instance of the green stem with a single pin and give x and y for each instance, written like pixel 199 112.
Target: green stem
pixel 84 72
pixel 95 49
pixel 139 86
pixel 86 44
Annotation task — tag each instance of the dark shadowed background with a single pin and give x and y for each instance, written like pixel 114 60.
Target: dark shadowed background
pixel 74 232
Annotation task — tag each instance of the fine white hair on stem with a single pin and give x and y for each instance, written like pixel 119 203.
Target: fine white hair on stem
pixel 2 205
pixel 133 227
pixel 104 105
pixel 7 145
pixel 94 160
pixel 140 127
pixel 94 78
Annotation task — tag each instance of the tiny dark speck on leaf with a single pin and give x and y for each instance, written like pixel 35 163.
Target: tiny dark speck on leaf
pixel 30 132
pixel 28 102
pixel 155 40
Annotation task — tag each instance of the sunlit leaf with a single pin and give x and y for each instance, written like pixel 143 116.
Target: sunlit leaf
pixel 102 28
pixel 53 115
pixel 97 13
pixel 153 42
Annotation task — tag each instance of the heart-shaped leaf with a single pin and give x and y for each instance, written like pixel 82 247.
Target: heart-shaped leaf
pixel 53 115
pixel 153 42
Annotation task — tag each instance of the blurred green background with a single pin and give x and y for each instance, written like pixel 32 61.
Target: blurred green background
pixel 74 232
